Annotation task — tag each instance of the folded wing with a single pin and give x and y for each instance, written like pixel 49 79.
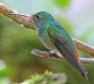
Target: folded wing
pixel 65 45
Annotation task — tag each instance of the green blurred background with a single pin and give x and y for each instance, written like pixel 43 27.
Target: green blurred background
pixel 16 42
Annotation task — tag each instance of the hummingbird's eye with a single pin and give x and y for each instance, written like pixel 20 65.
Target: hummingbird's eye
pixel 37 16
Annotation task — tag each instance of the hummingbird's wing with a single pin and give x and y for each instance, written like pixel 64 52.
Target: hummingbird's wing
pixel 65 45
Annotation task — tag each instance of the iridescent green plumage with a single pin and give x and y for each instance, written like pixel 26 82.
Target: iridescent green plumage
pixel 66 47
pixel 57 40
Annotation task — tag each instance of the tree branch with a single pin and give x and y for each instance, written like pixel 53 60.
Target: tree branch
pixel 28 24
pixel 21 20
pixel 47 54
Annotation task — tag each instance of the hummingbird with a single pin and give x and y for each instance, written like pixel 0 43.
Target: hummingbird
pixel 55 38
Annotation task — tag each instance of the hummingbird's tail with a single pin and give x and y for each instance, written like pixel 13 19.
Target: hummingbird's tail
pixel 85 73
pixel 85 76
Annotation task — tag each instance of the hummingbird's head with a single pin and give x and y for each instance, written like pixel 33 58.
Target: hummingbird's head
pixel 41 18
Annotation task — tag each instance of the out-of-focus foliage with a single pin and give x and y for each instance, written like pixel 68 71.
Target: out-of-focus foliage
pixel 4 73
pixel 46 78
pixel 62 3
pixel 16 42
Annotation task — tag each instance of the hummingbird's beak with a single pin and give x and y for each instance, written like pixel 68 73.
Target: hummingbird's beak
pixel 28 16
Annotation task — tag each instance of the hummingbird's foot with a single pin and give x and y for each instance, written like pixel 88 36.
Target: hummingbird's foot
pixel 48 54
pixel 51 53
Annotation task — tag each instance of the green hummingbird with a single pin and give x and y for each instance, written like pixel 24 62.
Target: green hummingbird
pixel 55 38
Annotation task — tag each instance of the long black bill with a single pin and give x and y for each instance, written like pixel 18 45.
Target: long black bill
pixel 28 16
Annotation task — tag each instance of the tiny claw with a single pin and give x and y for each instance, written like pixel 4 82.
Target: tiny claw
pixel 48 54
